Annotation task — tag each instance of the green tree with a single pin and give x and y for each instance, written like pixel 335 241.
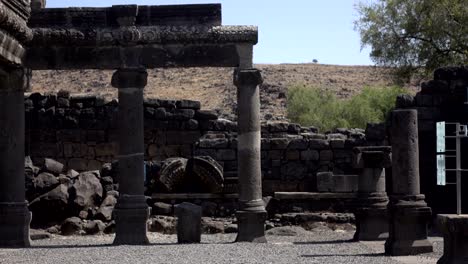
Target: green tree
pixel 412 34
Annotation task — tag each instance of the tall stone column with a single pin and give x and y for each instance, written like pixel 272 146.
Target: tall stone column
pixel 14 214
pixel 372 200
pixel 409 213
pixel 251 216
pixel 131 212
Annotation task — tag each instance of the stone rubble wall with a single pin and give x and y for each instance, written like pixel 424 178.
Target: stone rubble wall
pixel 80 131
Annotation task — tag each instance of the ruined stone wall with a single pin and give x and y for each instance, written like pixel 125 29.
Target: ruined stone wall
pixel 441 99
pixel 81 132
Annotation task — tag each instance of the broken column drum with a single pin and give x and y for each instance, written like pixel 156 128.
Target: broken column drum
pixel 409 213
pixel 372 200
pixel 252 214
pixel 14 214
pixel 131 211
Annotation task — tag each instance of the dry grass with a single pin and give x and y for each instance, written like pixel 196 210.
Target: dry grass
pixel 213 86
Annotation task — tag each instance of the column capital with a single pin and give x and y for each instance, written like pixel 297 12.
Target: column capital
pixel 247 77
pixel 130 78
pixel 15 79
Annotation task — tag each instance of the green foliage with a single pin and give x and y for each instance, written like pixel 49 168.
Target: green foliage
pixel 411 34
pixel 321 108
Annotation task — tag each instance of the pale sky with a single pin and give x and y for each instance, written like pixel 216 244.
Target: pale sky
pixel 296 31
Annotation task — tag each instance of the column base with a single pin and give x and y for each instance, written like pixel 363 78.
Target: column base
pixel 409 219
pixel 371 224
pixel 131 221
pixel 251 226
pixel 15 219
pixel 455 230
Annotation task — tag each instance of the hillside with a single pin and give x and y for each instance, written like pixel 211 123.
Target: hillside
pixel 213 86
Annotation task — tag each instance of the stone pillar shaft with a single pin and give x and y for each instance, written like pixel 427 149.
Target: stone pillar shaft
pixel 131 211
pixel 251 215
pixel 14 214
pixel 409 214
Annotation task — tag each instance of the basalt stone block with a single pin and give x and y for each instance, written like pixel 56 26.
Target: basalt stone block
pixel 310 155
pixel 325 182
pixel 188 223
pixel 298 144
pixel 455 231
pixel 319 144
pixel 188 104
pixel 279 143
pixel 53 166
pixel 206 115
pixel 251 226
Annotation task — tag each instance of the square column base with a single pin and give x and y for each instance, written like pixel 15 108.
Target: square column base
pixel 131 226
pixel 455 230
pixel 408 231
pixel 371 224
pixel 251 226
pixel 15 219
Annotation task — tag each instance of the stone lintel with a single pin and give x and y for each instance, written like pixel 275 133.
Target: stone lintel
pixel 249 77
pixel 130 78
pixel 148 56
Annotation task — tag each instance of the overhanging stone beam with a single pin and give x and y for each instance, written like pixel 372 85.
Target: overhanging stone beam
pixel 162 36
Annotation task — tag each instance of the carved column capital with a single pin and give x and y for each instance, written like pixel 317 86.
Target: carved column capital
pixel 130 78
pixel 251 77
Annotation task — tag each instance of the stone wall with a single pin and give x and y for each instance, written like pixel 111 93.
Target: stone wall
pixel 441 99
pixel 80 130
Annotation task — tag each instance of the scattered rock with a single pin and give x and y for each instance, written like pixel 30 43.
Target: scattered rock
pixel 210 226
pixel 163 225
pixel 94 227
pixel 87 190
pixel 53 166
pixel 71 226
pixel 38 234
pixel 286 231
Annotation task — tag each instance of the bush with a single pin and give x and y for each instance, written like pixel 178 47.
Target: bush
pixel 310 106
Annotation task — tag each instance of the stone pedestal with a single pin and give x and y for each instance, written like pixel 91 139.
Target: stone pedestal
pixel 455 230
pixel 252 214
pixel 409 214
pixel 371 212
pixel 131 211
pixel 188 223
pixel 14 214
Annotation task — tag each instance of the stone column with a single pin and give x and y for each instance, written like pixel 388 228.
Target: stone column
pixel 409 213
pixel 252 214
pixel 372 200
pixel 131 212
pixel 14 214
pixel 455 230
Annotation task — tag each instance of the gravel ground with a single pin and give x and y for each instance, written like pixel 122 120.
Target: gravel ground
pixel 319 246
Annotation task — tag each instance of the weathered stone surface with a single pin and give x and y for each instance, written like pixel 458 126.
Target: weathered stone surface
pixel 51 206
pixel 454 229
pixel 45 182
pixel 188 223
pixel 71 226
pixel 104 212
pixel 53 166
pixel 87 190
